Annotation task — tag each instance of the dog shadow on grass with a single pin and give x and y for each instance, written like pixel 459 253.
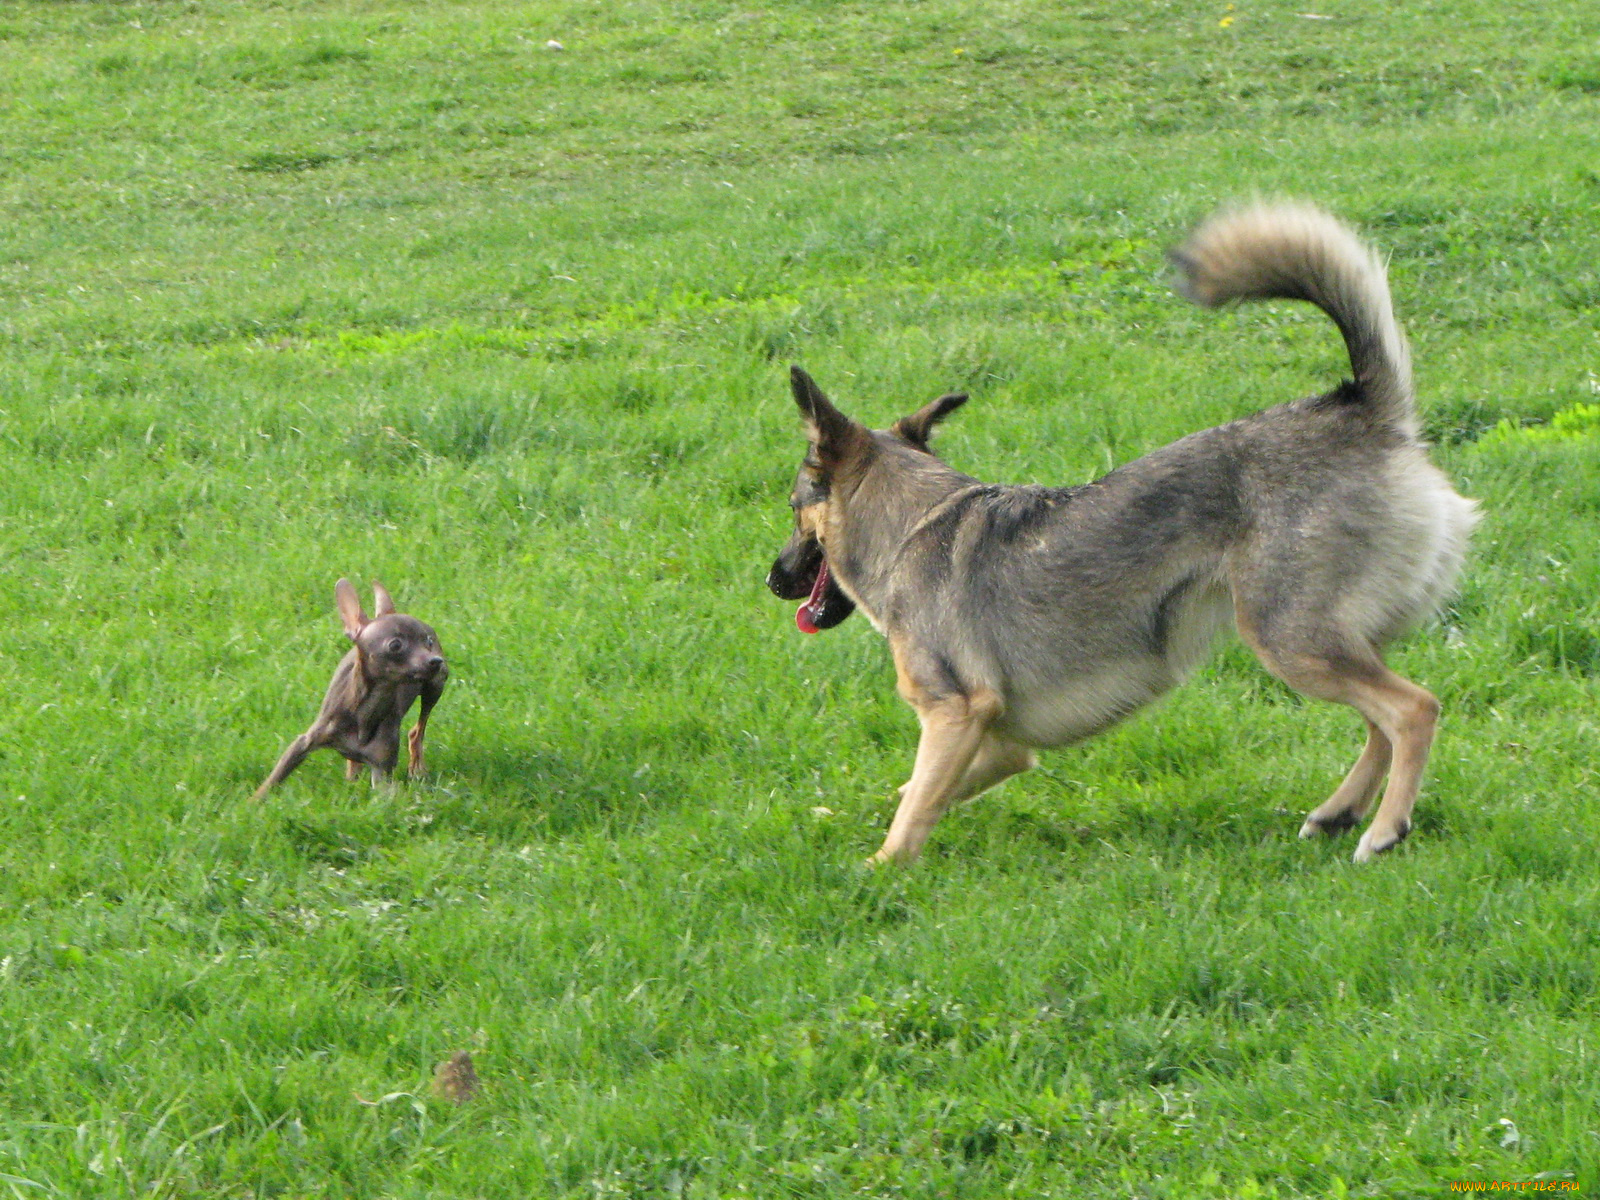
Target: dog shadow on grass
pixel 1056 824
pixel 509 794
pixel 511 791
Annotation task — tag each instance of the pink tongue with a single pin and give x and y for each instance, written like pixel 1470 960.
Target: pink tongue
pixel 805 617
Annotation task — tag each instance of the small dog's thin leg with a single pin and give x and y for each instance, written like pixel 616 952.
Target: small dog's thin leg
pixel 382 752
pixel 292 758
pixel 1352 798
pixel 951 735
pixel 415 766
pixel 352 769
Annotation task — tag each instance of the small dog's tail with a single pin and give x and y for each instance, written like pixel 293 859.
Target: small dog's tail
pixel 1295 252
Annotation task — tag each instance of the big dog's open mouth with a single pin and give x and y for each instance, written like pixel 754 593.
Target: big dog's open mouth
pixel 826 606
pixel 807 615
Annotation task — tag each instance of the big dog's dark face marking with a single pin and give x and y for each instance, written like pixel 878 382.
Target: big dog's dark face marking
pixel 801 568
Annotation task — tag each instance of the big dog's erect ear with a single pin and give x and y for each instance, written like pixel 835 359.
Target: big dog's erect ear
pixel 826 426
pixel 918 427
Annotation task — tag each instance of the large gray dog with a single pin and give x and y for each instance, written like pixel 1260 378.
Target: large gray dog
pixel 1024 617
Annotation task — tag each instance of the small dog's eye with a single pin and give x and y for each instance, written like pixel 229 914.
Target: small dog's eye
pixel 396 646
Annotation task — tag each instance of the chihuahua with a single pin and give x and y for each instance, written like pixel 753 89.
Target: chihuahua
pixel 395 659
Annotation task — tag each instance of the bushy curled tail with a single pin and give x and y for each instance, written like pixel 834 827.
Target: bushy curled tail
pixel 1296 252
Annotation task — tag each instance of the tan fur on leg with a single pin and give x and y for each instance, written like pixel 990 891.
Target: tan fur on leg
pixel 1400 711
pixel 997 759
pixel 1352 798
pixel 953 730
pixel 1408 715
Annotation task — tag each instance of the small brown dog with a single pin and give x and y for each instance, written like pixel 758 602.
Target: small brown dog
pixel 395 659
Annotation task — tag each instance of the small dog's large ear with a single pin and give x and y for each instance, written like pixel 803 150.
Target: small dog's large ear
pixel 826 426
pixel 349 608
pixel 918 427
pixel 382 602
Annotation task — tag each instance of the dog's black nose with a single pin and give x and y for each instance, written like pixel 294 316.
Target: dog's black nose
pixel 435 663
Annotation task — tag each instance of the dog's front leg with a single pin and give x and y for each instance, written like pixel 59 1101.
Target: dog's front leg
pixel 382 752
pixel 953 729
pixel 415 766
pixel 996 760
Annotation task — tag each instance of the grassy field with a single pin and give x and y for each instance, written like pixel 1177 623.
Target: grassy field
pixel 296 290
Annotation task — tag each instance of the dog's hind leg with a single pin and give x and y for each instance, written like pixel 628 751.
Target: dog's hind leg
pixel 954 729
pixel 1352 798
pixel 292 758
pixel 1407 715
pixel 1402 712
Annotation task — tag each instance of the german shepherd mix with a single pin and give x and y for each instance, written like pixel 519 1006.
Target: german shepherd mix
pixel 1026 617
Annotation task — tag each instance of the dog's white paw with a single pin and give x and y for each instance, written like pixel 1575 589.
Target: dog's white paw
pixel 888 858
pixel 1375 841
pixel 1331 825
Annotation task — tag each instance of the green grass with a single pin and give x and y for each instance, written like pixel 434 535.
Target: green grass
pixel 295 290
